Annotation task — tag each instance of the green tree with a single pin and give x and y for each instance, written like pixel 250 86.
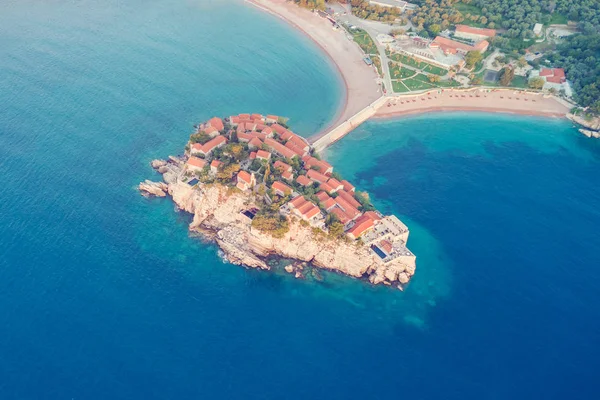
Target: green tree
pixel 472 58
pixel 506 76
pixel 536 83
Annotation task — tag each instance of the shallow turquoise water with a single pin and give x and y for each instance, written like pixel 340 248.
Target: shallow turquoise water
pixel 104 295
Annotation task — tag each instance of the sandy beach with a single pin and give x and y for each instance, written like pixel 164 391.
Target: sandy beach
pixel 359 79
pixel 484 100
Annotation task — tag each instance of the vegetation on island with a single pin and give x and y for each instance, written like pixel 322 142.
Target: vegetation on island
pixel 311 4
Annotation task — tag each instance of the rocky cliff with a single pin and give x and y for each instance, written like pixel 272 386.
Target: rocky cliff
pixel 218 214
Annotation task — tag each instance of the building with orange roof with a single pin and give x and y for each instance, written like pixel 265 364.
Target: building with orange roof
pixel 281 166
pixel 209 146
pixel 373 215
pixel 303 180
pixel 256 117
pixel 322 166
pixel 260 127
pixel 326 188
pixel 195 164
pixel 278 129
pixel 271 119
pixel 281 188
pixel 261 135
pixel 304 208
pixel 348 187
pixel 351 211
pixel 476 34
pixel 340 214
pixel 255 143
pixel 361 225
pixel 211 131
pixel 268 131
pixel 215 165
pixel 349 198
pixel 252 155
pixel 279 148
pixel 328 204
pixel 553 75
pixel 216 123
pixel 287 175
pixel 449 46
pixel 263 155
pixel 244 137
pixel 234 120
pixel 322 196
pixel 335 184
pixel 245 180
pixel 296 149
pixel 300 142
pixel 244 116
pixel 316 176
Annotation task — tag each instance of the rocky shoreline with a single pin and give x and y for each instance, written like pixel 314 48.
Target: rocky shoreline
pixel 591 127
pixel 218 214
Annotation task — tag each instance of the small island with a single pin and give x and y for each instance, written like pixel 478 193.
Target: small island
pixel 258 189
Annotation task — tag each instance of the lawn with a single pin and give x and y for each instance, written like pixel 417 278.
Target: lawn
pixel 399 72
pixel 413 62
pixel 364 41
pixel 432 69
pixel 399 87
pixel 519 82
pixel 558 19
pixel 417 84
pixel 467 9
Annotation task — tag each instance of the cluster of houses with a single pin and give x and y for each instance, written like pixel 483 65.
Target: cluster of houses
pixel 445 52
pixel 274 144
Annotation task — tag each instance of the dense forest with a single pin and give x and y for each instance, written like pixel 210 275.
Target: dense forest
pixel 579 55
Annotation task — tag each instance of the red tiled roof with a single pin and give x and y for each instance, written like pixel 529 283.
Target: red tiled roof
pixel 244 176
pixel 261 135
pixel 326 187
pixel 260 127
pixel 450 46
pixel 215 164
pixel 348 187
pixel 278 147
pixel 244 137
pixel 282 187
pixel 256 117
pixel 476 31
pixel 361 225
pixel 553 75
pixel 349 198
pixel 316 176
pixel 373 215
pixel 244 116
pixel 272 117
pixel 386 246
pixel 211 130
pixel 340 214
pixel 322 196
pixel 328 204
pixel 267 131
pixel 296 149
pixel 217 123
pixel 234 119
pixel 252 155
pixel 323 166
pixel 256 142
pixel 298 141
pixel 348 208
pixel 287 175
pixel 303 180
pixel 278 128
pixel 297 202
pixel 280 165
pixel 334 183
pixel 196 162
pixel 210 145
pixel 263 154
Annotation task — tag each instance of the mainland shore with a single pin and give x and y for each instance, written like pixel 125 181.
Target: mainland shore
pixel 363 90
pixel 360 80
pixel 482 100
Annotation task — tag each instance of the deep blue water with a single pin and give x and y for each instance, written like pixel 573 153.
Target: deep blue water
pixel 104 295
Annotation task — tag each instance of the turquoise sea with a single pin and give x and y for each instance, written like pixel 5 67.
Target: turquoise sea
pixel 103 294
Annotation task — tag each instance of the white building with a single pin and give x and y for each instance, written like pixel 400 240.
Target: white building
pixel 537 30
